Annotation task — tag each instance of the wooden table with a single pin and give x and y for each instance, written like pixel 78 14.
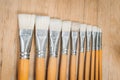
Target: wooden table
pixel 104 13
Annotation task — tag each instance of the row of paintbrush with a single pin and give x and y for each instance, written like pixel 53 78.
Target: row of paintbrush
pixel 84 66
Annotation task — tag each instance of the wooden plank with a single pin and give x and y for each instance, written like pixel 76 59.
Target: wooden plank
pixel 9 46
pixel 91 12
pixel 108 16
pixel 114 66
pixel 104 23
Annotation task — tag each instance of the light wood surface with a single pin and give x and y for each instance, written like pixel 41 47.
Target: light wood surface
pixel 108 18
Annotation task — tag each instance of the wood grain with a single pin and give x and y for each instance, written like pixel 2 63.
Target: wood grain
pixel 108 19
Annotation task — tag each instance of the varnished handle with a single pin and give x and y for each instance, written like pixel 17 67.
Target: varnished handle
pixel 63 67
pixel 81 66
pixel 40 69
pixel 100 64
pixel 73 68
pixel 23 69
pixel 92 65
pixel 52 68
pixel 87 66
pixel 96 65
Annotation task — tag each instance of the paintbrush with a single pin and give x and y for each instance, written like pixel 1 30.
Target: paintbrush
pixel 66 25
pixel 100 54
pixel 94 31
pixel 55 29
pixel 97 54
pixel 73 63
pixel 82 53
pixel 42 24
pixel 88 53
pixel 26 27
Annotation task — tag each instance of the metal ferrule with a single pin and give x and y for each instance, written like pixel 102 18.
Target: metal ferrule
pixel 54 39
pixel 97 41
pixel 65 42
pixel 88 40
pixel 100 40
pixel 93 40
pixel 74 42
pixel 25 42
pixel 41 42
pixel 82 40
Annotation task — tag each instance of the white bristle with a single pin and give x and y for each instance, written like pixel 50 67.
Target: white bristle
pixel 26 21
pixel 75 26
pixel 55 24
pixel 42 22
pixel 66 26
pixel 100 30
pixel 94 28
pixel 89 28
pixel 83 27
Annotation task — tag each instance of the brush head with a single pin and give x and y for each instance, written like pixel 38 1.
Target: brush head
pixel 42 22
pixel 66 26
pixel 89 28
pixel 26 21
pixel 55 24
pixel 100 30
pixel 75 26
pixel 83 27
pixel 94 28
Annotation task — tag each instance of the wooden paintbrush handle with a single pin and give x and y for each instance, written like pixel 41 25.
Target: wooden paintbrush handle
pixel 100 64
pixel 87 66
pixel 23 69
pixel 52 68
pixel 73 67
pixel 96 65
pixel 63 67
pixel 40 68
pixel 92 65
pixel 81 66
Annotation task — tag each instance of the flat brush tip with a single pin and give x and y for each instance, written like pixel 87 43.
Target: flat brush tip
pixel 89 27
pixel 94 28
pixel 42 22
pixel 55 24
pixel 75 26
pixel 26 21
pixel 83 27
pixel 66 26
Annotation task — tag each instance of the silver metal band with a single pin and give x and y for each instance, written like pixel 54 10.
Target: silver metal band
pixel 41 54
pixel 88 40
pixel 25 42
pixel 64 51
pixel 97 41
pixel 100 40
pixel 24 55
pixel 74 42
pixel 41 42
pixel 82 40
pixel 65 42
pixel 93 40
pixel 54 39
